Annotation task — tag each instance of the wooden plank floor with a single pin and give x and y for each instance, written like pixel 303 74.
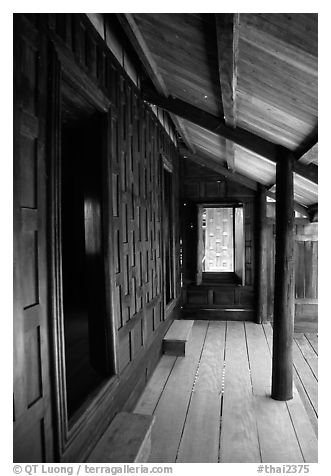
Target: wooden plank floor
pixel 214 405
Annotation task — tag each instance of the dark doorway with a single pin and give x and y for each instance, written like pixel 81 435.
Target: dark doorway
pixel 83 271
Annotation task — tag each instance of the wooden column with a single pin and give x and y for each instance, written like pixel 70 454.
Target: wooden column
pixel 262 297
pixel 282 367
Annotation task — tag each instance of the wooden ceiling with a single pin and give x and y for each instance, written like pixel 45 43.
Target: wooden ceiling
pixel 252 80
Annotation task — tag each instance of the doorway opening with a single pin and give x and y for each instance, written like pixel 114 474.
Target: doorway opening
pixel 82 246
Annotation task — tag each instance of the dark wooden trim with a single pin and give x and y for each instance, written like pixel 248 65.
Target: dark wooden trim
pixel 80 80
pixel 218 314
pixel 56 298
pixel 217 126
pixel 282 366
pixel 108 226
pixel 66 433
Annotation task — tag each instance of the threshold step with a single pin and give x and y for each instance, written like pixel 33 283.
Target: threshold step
pixel 126 440
pixel 175 340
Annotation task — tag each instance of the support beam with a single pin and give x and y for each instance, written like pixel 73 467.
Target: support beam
pixel 310 156
pixel 239 136
pixel 307 144
pixel 307 160
pixel 313 213
pixel 297 206
pixel 230 155
pixel 213 124
pixel 262 276
pixel 282 366
pixel 136 39
pixel 204 161
pixel 227 51
pixel 183 132
pixel 309 172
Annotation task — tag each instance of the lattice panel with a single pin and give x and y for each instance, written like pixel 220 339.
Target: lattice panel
pixel 136 179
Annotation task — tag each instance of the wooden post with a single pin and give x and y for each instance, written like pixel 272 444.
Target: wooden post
pixel 282 367
pixel 200 250
pixel 262 298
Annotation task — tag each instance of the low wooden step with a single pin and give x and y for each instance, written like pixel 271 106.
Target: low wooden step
pixel 127 440
pixel 175 340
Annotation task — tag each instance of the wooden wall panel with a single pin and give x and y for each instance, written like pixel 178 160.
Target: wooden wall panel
pixel 136 143
pixel 137 226
pixel 32 404
pixel 306 276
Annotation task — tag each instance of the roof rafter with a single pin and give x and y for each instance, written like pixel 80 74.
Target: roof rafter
pixel 239 136
pixel 227 51
pixel 206 161
pixel 309 156
pixel 227 32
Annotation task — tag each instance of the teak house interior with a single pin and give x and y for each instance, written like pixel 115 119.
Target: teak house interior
pixel 165 184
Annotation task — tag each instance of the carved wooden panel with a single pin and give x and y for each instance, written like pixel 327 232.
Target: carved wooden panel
pixel 32 410
pixel 136 169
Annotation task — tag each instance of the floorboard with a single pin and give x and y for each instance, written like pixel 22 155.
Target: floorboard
pixel 306 376
pixel 298 386
pixel 303 428
pixel 172 407
pixel 200 440
pixel 313 341
pixel 308 353
pixel 277 438
pixel 259 359
pixel 239 438
pixel 214 405
pixel 306 402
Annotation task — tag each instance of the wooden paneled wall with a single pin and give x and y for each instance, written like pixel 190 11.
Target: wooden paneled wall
pixel 202 185
pixel 306 275
pixel 136 144
pixel 32 405
pixel 137 230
